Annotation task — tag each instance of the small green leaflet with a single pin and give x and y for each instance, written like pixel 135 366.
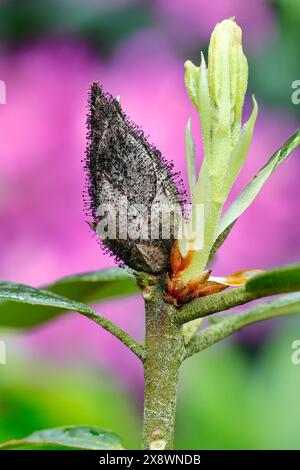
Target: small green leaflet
pixel 252 189
pixel 287 279
pixel 66 294
pixel 70 437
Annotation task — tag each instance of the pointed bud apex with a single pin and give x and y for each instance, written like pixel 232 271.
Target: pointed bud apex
pixel 129 187
pixel 227 73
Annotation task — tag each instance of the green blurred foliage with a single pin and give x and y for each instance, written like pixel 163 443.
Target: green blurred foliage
pixel 275 66
pixel 228 399
pixel 101 26
pixel 36 396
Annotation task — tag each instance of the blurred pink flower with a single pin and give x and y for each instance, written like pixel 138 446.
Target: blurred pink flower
pixel 266 234
pixel 43 234
pixel 195 19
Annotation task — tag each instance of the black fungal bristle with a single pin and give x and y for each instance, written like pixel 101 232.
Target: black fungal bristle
pixel 121 162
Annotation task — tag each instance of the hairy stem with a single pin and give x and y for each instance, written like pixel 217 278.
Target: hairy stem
pixel 288 305
pixel 164 354
pixel 214 303
pixel 225 300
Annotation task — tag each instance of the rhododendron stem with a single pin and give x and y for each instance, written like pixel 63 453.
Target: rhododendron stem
pixel 165 351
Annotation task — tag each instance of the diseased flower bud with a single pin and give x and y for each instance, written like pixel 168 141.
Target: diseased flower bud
pixel 128 184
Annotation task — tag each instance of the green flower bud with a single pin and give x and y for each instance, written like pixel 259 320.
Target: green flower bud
pixel 217 91
pixel 227 77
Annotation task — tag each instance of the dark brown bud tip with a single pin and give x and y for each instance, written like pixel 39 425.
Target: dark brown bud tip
pixel 126 173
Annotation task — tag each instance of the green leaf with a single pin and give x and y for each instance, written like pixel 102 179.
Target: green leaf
pixel 205 110
pixel 191 79
pixel 286 279
pixel 32 307
pixel 42 305
pixel 71 437
pixel 239 152
pixel 97 285
pixel 219 242
pixel 46 305
pixel 252 189
pixel 190 151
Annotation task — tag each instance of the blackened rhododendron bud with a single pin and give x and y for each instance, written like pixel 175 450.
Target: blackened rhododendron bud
pixel 130 188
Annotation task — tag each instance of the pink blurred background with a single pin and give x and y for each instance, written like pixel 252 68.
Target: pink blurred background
pixel 43 137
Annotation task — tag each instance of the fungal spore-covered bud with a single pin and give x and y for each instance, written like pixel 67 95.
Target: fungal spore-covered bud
pixel 132 194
